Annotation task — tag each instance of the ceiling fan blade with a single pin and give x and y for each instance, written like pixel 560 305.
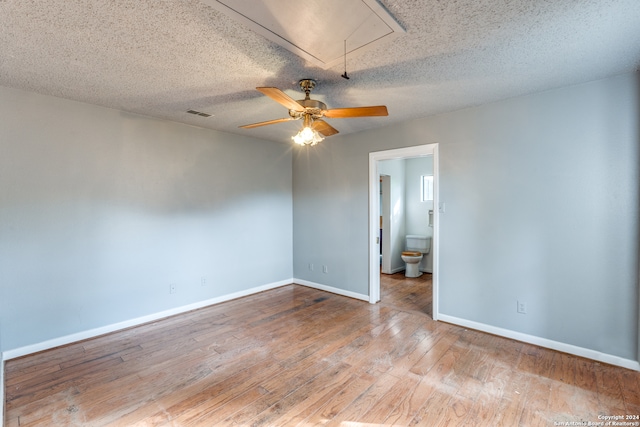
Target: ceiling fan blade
pixel 268 122
pixel 281 98
pixel 345 113
pixel 324 128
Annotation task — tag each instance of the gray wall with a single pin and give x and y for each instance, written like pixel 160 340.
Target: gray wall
pixel 542 206
pixel 101 210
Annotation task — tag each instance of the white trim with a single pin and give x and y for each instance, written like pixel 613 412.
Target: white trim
pixel 92 333
pixel 374 215
pixel 543 342
pixel 374 230
pixel 435 275
pixel 331 289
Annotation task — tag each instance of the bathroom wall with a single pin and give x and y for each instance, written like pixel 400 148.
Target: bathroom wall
pixel 396 170
pixel 100 211
pixel 542 206
pixel 409 215
pixel 417 211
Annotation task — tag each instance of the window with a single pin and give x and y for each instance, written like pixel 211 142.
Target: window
pixel 427 188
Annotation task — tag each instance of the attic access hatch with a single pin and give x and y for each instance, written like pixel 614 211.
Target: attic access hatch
pixel 316 30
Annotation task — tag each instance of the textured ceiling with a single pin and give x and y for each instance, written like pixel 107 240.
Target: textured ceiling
pixel 162 57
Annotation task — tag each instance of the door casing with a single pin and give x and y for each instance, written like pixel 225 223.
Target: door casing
pixel 374 215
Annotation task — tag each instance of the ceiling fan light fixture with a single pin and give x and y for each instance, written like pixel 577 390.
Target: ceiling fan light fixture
pixel 307 136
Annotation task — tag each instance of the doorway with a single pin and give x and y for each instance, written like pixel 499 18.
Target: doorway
pixel 375 206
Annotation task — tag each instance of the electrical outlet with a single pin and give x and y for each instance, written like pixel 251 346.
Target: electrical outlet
pixel 203 281
pixel 172 288
pixel 325 269
pixel 310 267
pixel 522 307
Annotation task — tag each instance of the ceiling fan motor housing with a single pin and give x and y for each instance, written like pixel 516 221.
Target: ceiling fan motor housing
pixel 311 106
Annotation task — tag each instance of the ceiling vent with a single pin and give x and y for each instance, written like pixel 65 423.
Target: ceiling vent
pixel 199 113
pixel 316 30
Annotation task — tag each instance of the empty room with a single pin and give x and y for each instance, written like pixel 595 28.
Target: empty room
pixel 345 212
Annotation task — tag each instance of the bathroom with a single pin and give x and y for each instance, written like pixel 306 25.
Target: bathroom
pixel 406 207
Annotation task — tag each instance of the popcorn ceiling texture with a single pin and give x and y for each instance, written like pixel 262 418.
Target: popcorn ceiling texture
pixel 162 57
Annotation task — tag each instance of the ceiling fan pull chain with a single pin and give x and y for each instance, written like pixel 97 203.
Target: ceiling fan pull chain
pixel 345 62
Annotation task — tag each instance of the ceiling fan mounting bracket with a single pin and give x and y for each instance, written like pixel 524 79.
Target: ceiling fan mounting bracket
pixel 307 85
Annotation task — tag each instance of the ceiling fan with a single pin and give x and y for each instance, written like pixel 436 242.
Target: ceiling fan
pixel 311 112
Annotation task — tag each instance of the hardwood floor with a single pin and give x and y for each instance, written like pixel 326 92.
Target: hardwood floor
pixel 299 356
pixel 406 294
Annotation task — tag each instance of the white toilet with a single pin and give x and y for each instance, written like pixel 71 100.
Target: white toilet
pixel 417 246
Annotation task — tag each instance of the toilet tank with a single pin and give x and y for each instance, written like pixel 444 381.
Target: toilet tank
pixel 416 242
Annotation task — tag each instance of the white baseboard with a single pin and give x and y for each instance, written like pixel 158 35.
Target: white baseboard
pixel 331 289
pixel 395 270
pixel 92 333
pixel 543 342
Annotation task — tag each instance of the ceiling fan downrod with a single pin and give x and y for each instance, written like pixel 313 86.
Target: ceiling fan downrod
pixel 307 85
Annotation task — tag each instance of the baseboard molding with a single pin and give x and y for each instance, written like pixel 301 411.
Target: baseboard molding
pixel 331 289
pixel 543 342
pixel 395 270
pixel 92 333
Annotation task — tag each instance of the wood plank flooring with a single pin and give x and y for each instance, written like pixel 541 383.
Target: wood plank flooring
pixel 299 356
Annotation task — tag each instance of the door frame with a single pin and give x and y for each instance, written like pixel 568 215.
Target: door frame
pixel 374 215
